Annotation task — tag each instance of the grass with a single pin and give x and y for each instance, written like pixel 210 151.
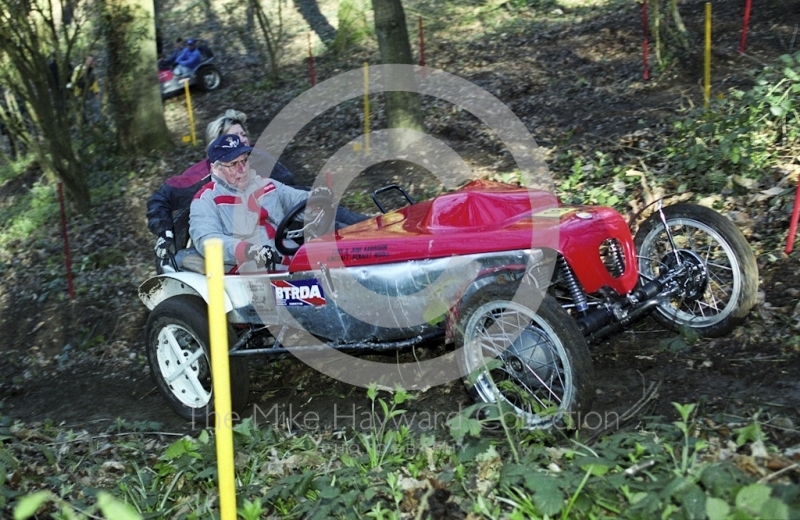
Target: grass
pixel 26 213
pixel 13 168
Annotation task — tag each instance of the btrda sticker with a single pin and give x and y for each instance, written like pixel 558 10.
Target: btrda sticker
pixel 298 293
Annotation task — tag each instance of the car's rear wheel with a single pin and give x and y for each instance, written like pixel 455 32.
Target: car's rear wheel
pixel 179 356
pixel 533 362
pixel 209 78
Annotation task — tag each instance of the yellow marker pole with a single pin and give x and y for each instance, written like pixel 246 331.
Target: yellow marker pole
pixel 366 108
pixel 220 368
pixel 707 79
pixel 189 109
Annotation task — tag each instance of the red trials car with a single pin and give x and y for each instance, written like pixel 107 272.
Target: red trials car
pixel 517 282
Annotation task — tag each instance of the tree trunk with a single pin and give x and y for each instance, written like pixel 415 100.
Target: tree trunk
pixel 403 109
pixel 134 92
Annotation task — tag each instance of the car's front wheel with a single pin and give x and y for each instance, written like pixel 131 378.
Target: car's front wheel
pixel 178 351
pixel 723 275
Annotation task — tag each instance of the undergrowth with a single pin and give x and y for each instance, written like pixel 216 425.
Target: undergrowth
pixel 741 140
pixel 687 469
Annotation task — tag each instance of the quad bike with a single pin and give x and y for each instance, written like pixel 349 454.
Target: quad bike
pixel 205 77
pixel 545 280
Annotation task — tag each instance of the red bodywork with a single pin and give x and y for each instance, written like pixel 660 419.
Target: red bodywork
pixel 481 217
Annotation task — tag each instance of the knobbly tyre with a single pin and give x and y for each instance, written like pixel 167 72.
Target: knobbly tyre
pixel 584 275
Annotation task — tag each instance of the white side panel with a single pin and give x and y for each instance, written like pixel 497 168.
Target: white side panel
pixel 159 288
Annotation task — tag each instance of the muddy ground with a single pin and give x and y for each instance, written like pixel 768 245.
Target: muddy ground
pixel 80 363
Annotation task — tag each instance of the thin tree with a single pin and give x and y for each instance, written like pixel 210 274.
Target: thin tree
pixel 666 32
pixel 272 31
pixel 35 48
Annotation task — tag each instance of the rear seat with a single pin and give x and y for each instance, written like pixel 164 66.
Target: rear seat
pixel 205 51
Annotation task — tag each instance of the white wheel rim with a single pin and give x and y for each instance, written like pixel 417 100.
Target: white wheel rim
pixel 509 321
pixel 724 272
pixel 211 80
pixel 182 363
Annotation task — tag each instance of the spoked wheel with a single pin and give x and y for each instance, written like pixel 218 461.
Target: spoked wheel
pixel 535 362
pixel 719 277
pixel 178 353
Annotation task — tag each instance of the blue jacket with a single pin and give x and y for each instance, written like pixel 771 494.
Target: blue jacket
pixel 190 58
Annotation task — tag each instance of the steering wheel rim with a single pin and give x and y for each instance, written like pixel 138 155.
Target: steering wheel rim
pixel 322 222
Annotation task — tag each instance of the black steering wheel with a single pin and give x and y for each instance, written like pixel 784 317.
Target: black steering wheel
pixel 315 223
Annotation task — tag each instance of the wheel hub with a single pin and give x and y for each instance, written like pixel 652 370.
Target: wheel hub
pixel 182 366
pixel 692 273
pixel 530 359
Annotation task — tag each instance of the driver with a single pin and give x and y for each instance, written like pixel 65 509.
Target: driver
pixel 168 208
pixel 188 60
pixel 242 208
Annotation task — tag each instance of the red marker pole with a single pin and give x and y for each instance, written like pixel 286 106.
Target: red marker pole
pixel 66 241
pixel 311 73
pixel 745 23
pixel 793 221
pixel 645 44
pixel 421 44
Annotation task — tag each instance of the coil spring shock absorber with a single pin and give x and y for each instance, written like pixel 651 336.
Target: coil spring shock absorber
pixel 573 287
pixel 617 259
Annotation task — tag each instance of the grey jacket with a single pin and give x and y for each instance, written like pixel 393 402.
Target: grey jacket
pixel 240 218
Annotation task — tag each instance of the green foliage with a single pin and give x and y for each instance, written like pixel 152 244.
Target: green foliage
pixel 591 180
pixel 353 26
pixel 250 510
pixel 359 201
pixel 660 470
pixel 381 441
pixel 110 507
pixel 29 213
pixel 14 168
pixel 691 448
pixel 740 134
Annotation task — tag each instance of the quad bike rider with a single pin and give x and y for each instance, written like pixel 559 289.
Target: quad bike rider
pixel 200 71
